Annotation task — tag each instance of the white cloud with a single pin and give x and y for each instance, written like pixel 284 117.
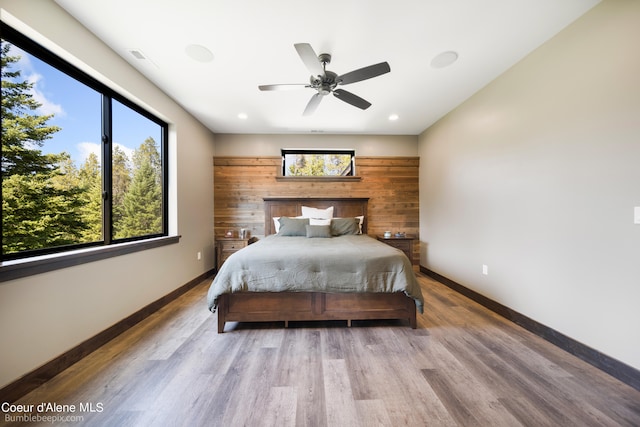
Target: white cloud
pixel 128 151
pixel 46 106
pixel 36 79
pixel 86 148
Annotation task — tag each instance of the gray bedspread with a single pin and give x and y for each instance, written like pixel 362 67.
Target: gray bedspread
pixel 350 263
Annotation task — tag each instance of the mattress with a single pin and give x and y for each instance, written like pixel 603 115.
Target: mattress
pixel 347 263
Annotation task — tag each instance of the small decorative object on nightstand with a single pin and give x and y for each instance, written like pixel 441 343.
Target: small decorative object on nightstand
pixel 401 241
pixel 225 246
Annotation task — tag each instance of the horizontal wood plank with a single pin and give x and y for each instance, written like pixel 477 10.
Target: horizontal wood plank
pixel 390 184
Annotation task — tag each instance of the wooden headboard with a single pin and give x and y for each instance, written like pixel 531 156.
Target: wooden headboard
pixel 292 207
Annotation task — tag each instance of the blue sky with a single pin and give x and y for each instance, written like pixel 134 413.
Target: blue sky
pixel 77 111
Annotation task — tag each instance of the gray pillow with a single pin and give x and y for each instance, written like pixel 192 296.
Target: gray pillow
pixel 318 231
pixel 342 226
pixel 293 226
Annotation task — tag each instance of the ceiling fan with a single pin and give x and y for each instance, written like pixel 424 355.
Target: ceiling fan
pixel 325 82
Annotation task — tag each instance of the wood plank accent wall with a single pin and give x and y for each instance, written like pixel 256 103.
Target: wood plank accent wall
pixel 390 183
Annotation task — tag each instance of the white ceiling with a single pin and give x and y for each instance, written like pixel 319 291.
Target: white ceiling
pixel 252 44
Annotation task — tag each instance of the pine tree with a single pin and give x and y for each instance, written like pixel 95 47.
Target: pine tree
pixel 121 180
pixel 22 132
pixel 39 208
pixel 148 152
pixel 142 204
pixel 320 165
pixel 90 179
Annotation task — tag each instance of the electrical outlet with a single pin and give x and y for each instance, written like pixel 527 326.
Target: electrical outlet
pixel 636 215
pixel 199 256
pixel 485 269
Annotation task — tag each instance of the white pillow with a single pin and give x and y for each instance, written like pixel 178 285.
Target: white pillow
pixel 319 221
pixel 308 212
pixel 361 219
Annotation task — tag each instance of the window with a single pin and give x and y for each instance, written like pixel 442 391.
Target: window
pixel 81 165
pixel 331 163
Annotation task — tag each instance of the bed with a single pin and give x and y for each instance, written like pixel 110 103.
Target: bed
pixel 339 274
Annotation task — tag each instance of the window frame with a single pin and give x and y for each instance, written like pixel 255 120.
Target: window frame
pixel 318 151
pixel 69 253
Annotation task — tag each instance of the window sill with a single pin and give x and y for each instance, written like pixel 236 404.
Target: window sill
pixel 10 270
pixel 319 178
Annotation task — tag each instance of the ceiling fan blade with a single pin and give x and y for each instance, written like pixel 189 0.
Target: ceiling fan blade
pixel 310 58
pixel 364 73
pixel 312 105
pixel 283 87
pixel 352 99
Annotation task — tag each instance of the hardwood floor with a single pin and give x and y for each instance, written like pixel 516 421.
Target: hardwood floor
pixel 463 366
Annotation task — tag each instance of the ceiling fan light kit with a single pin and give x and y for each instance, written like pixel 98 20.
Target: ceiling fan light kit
pixel 326 82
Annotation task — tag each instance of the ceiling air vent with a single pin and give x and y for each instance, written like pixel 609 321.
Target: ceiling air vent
pixel 137 54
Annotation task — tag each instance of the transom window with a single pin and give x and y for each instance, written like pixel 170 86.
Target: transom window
pixel 81 165
pixel 318 162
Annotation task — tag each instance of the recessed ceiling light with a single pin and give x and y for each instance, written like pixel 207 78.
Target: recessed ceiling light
pixel 394 117
pixel 444 59
pixel 243 116
pixel 199 53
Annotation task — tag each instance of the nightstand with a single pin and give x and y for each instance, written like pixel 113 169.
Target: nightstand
pixel 225 246
pixel 405 244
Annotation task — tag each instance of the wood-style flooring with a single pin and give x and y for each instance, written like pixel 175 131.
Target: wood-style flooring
pixel 463 366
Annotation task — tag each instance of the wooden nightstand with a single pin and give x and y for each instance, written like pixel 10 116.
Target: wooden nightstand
pixel 225 246
pixel 405 244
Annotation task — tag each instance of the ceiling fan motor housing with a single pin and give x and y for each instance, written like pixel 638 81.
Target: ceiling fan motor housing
pixel 324 84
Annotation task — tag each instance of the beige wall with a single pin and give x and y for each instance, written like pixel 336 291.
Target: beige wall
pixel 270 144
pixel 537 176
pixel 45 315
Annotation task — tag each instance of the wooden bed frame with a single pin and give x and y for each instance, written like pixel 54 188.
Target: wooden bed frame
pixel 306 306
